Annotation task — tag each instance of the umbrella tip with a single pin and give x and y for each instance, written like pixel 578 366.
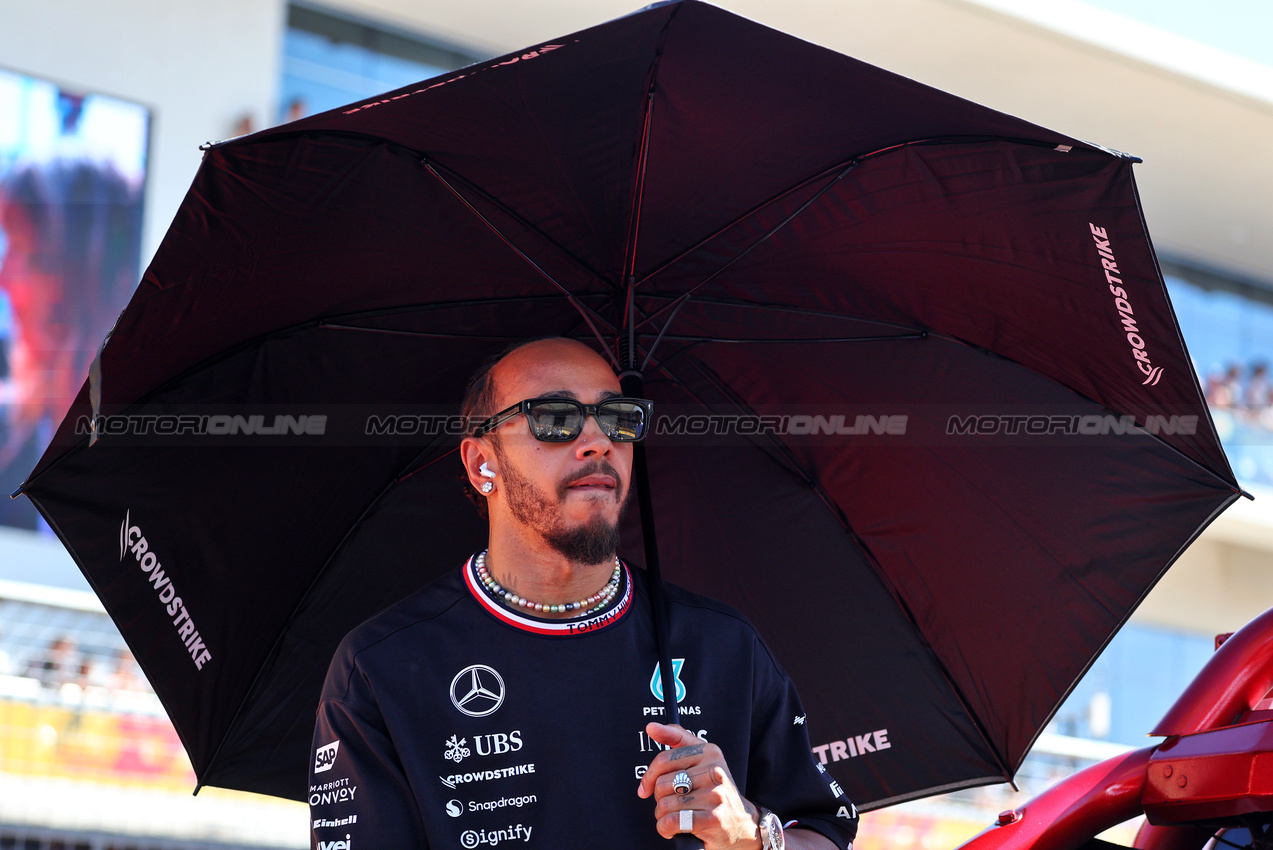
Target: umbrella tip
pixel 1243 492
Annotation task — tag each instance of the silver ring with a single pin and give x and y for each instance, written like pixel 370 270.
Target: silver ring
pixel 687 820
pixel 681 783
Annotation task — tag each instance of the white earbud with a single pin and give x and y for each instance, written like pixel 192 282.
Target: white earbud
pixel 484 472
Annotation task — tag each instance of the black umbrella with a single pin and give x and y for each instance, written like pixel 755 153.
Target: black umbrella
pixel 922 409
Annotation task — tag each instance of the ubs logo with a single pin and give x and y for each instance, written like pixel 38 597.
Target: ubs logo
pixel 477 690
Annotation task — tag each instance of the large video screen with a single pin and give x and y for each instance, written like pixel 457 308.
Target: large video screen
pixel 72 179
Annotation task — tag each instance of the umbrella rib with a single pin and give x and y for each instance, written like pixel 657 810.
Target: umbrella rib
pixel 398 478
pixel 681 301
pixel 741 341
pixel 765 238
pixel 1158 438
pixel 638 192
pixel 760 206
pixel 781 455
pixel 437 168
pixel 425 334
pixel 587 314
pixel 844 167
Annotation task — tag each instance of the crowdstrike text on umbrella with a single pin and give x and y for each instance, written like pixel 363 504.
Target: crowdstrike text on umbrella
pixel 131 540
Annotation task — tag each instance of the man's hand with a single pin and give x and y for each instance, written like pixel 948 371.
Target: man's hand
pixel 722 817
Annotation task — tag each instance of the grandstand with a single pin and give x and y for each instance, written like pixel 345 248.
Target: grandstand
pixel 88 758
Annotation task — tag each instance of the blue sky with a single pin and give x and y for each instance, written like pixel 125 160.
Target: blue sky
pixel 1241 27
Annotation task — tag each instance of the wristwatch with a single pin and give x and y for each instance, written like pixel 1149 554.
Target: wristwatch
pixel 771 837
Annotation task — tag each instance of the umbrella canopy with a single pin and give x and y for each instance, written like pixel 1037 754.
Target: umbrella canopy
pixel 922 409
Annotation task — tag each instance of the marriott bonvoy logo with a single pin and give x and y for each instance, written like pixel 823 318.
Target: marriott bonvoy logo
pixel 132 541
pixel 1140 356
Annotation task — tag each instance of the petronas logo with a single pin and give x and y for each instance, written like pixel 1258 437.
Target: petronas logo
pixel 656 681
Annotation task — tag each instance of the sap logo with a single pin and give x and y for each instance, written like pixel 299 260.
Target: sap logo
pixel 325 757
pixel 335 845
pixel 498 743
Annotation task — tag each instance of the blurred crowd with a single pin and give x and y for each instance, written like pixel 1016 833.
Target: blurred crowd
pixel 1246 393
pixel 62 663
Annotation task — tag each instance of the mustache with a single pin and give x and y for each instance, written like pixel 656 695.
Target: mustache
pixel 597 466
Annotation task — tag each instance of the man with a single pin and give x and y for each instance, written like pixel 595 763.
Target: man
pixel 510 703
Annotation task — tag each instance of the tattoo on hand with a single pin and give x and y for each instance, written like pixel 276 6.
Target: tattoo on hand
pixel 686 752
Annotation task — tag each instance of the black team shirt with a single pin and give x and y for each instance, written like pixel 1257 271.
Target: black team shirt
pixel 454 721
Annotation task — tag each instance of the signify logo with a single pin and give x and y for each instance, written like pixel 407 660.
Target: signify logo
pixel 471 838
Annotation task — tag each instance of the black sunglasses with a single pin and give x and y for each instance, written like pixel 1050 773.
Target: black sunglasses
pixel 560 420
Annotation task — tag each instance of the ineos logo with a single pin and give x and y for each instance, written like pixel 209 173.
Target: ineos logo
pixel 477 690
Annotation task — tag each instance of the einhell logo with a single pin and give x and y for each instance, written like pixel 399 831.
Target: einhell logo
pixel 1140 356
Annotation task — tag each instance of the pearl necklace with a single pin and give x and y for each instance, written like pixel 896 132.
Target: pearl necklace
pixel 584 606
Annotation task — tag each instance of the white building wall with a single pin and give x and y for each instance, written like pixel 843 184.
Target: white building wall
pixel 200 68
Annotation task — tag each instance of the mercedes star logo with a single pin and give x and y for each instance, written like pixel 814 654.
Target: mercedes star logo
pixel 477 690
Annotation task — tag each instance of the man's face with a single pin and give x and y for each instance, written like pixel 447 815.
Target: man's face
pixel 572 494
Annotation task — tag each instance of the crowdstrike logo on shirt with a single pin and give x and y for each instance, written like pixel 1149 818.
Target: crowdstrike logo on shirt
pixel 325 756
pixel 477 690
pixel 457 779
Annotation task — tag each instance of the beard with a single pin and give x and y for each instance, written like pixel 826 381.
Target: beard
pixel 593 542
